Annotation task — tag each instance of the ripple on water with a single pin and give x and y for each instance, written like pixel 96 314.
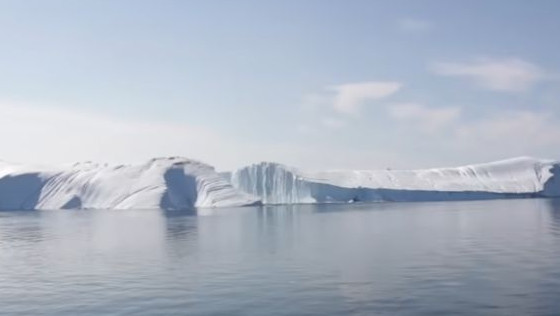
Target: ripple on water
pixel 460 258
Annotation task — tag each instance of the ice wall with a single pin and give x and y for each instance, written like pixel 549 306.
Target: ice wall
pixel 167 183
pixel 514 178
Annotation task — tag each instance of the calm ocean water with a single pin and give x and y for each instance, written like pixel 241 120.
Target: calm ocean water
pixel 469 258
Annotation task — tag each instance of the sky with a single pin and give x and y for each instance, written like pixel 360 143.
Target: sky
pixel 314 84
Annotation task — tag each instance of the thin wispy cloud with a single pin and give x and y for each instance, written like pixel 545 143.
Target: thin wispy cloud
pixel 510 133
pixel 510 74
pixel 345 101
pixel 314 101
pixel 425 118
pixel 64 135
pixel 507 133
pixel 411 25
pixel 333 123
pixel 513 131
pixel 349 98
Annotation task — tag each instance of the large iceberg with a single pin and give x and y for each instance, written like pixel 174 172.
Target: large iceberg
pixel 514 178
pixel 166 183
pixel 180 183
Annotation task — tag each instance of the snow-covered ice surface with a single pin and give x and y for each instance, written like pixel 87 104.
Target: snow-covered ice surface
pixel 167 183
pixel 180 183
pixel 513 178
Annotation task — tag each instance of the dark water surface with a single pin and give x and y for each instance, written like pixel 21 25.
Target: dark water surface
pixel 470 258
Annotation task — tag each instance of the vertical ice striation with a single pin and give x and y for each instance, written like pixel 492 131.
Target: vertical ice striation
pixel 272 183
pixel 180 183
pixel 522 177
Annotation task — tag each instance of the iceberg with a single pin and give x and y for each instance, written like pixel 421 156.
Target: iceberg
pixel 176 183
pixel 522 177
pixel 165 183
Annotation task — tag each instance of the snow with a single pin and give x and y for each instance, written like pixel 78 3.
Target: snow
pixel 167 183
pixel 513 178
pixel 180 183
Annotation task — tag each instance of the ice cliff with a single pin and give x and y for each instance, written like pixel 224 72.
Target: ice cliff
pixel 167 183
pixel 180 183
pixel 514 178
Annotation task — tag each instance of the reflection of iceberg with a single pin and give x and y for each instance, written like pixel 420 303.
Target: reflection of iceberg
pixel 514 178
pixel 168 183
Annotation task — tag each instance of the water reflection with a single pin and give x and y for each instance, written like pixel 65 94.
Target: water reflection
pixel 554 211
pixel 477 257
pixel 179 224
pixel 181 233
pixel 13 231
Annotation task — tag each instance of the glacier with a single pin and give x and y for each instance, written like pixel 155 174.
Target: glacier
pixel 522 177
pixel 164 183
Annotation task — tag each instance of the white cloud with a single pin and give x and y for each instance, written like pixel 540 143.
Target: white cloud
pixel 346 99
pixel 350 97
pixel 414 25
pixel 510 74
pixel 507 133
pixel 518 132
pixel 425 118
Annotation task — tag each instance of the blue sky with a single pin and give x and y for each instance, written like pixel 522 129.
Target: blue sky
pixel 315 84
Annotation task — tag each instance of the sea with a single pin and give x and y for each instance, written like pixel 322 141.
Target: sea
pixel 498 257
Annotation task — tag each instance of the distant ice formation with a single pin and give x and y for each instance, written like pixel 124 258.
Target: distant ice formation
pixel 166 183
pixel 514 178
pixel 180 183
